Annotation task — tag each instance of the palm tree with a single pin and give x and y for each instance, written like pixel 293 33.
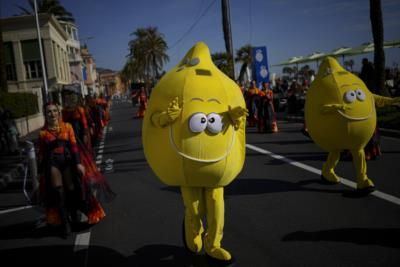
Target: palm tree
pixel 131 72
pixel 148 52
pixel 243 55
pixel 221 60
pixel 53 7
pixel 375 12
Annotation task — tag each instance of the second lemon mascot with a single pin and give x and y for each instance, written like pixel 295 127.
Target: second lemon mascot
pixel 340 115
pixel 194 137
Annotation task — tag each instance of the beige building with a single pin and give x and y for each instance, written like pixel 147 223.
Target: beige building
pixel 74 55
pixel 89 72
pixel 22 56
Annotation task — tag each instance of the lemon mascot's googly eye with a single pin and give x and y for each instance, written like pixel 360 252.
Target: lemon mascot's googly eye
pixel 360 95
pixel 198 122
pixel 214 124
pixel 350 96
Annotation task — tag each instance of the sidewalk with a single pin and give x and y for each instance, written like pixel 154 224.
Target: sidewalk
pixel 12 166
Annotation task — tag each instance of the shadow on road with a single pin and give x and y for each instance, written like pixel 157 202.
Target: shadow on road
pixel 151 255
pixel 388 237
pixel 266 186
pixel 36 229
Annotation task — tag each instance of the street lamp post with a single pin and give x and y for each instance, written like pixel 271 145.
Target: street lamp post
pixel 45 89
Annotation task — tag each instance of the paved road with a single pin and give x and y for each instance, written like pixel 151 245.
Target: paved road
pixel 277 211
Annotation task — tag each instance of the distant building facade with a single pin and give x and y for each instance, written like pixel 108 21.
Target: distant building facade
pixel 23 63
pixel 22 55
pixel 108 81
pixel 89 72
pixel 74 55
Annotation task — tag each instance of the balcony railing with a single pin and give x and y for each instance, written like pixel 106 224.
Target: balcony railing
pixel 74 57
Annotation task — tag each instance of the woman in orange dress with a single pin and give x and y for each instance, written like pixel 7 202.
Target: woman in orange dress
pixel 59 166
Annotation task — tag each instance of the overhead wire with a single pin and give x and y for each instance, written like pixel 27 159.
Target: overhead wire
pixel 194 24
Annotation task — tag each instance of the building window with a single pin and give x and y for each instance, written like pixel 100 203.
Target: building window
pixel 33 69
pixel 31 56
pixel 11 73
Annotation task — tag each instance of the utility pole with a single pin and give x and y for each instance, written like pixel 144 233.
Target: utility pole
pixel 226 24
pixel 45 89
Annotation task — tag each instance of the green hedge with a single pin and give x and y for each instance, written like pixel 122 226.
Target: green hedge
pixel 389 117
pixel 20 104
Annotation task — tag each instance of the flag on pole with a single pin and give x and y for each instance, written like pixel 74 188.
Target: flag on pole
pixel 260 65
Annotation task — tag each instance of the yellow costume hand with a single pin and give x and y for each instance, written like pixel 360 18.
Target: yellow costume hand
pixel 333 107
pixel 173 110
pixel 396 100
pixel 235 114
pixel 164 118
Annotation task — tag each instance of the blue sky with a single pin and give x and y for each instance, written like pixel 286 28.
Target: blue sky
pixel 286 27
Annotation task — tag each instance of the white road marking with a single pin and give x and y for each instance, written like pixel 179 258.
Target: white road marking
pixel 82 241
pixel 376 193
pixel 15 209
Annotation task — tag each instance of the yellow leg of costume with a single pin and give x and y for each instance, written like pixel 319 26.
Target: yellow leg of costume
pixel 360 165
pixel 215 222
pixel 328 170
pixel 193 199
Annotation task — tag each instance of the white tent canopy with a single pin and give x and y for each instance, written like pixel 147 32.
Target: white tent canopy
pixel 343 51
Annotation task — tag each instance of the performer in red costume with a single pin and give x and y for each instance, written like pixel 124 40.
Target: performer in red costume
pixel 142 97
pixel 75 114
pixel 252 102
pixel 266 113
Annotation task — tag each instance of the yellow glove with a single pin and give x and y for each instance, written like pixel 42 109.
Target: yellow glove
pixel 164 118
pixel 333 107
pixel 236 114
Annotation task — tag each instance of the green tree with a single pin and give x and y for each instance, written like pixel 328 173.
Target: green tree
pixel 53 7
pixel 375 12
pixel 147 53
pixel 243 56
pixel 220 60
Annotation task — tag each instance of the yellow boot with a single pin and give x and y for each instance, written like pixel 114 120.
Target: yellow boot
pixel 328 170
pixel 364 184
pixel 215 221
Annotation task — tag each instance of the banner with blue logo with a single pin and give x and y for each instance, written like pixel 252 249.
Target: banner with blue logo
pixel 260 65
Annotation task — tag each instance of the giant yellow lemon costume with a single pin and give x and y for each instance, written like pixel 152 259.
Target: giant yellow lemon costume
pixel 194 137
pixel 340 114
